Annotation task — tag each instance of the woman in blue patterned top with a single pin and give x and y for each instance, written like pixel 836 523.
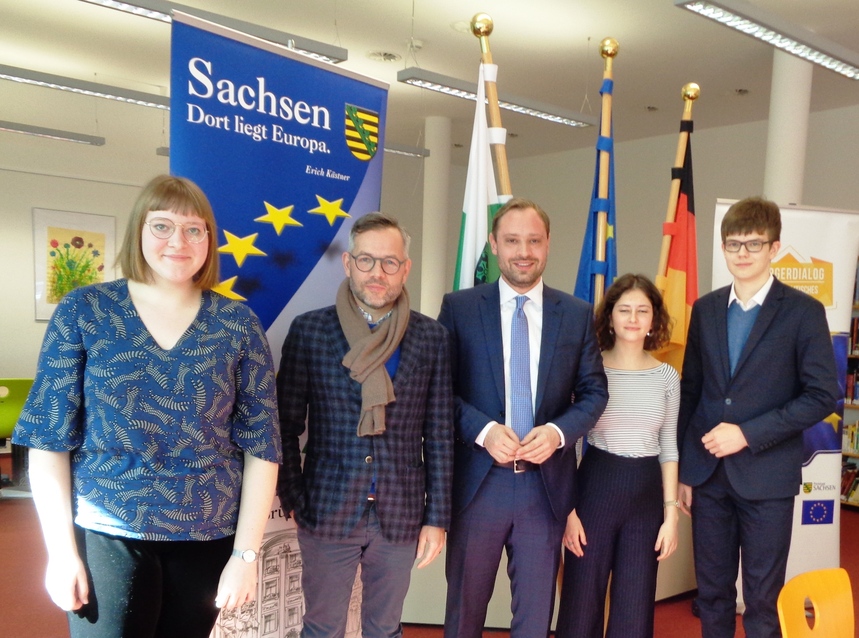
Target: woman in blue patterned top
pixel 153 434
pixel 626 517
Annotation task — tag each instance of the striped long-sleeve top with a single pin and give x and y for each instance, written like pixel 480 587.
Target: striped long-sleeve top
pixel 641 416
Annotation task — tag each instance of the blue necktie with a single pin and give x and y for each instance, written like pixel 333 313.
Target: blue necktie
pixel 521 412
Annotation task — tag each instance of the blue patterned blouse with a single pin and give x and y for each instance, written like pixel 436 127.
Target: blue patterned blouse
pixel 156 436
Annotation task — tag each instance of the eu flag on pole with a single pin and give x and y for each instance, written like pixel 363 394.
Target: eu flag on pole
pixel 588 264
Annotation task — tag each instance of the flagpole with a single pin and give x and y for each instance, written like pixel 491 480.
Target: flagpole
pixel 481 27
pixel 690 93
pixel 608 50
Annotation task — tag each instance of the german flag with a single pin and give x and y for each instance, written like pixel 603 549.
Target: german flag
pixel 680 284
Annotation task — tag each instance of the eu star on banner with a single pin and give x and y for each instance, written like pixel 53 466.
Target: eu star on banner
pixel 589 267
pixel 681 277
pixel 286 149
pixel 475 263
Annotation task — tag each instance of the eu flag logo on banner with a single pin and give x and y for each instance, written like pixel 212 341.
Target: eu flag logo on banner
pixel 817 512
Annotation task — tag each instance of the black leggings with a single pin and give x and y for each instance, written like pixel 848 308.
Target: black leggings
pixel 149 589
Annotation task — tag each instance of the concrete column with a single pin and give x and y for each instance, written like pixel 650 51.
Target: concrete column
pixel 790 98
pixel 434 266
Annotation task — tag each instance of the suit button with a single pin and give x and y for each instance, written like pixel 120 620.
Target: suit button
pixel 727 402
pixel 368 459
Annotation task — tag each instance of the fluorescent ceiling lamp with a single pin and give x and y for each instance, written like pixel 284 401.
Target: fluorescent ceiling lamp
pixel 411 151
pixel 162 11
pixel 459 88
pixel 36 78
pixel 757 23
pixel 51 133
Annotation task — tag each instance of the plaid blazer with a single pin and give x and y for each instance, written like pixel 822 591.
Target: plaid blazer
pixel 412 459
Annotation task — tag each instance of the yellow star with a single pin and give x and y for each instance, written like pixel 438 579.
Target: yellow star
pixel 331 210
pixel 609 231
pixel 278 217
pixel 240 247
pixel 833 420
pixel 226 289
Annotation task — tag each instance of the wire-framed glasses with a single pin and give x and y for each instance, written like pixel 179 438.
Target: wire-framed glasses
pixel 365 263
pixel 753 245
pixel 164 228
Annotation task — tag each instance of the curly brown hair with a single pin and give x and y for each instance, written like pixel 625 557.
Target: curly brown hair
pixel 660 329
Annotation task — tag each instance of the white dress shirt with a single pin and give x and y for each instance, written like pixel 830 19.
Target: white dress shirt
pixel 534 313
pixel 756 300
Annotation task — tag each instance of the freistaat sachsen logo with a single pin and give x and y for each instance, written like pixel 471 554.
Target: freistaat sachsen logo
pixel 362 132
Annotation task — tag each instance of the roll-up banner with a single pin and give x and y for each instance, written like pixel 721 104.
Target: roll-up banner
pixel 289 152
pixel 819 248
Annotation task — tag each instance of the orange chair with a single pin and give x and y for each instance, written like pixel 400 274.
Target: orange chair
pixel 831 612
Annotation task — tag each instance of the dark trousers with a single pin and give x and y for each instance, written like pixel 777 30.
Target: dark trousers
pixel 620 506
pixel 329 572
pixel 149 589
pixel 723 524
pixel 510 511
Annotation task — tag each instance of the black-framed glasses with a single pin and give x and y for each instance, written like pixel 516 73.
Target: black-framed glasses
pixel 365 263
pixel 753 245
pixel 164 228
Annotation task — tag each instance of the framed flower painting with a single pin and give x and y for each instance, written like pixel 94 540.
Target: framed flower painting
pixel 71 250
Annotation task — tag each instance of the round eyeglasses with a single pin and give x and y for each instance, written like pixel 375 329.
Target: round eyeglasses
pixel 753 245
pixel 365 263
pixel 164 228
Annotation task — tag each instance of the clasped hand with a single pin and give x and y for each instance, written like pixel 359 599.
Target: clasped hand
pixel 504 445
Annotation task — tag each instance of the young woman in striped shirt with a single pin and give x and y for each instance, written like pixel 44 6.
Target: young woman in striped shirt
pixel 627 513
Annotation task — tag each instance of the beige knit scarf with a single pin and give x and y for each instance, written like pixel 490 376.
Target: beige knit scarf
pixel 368 352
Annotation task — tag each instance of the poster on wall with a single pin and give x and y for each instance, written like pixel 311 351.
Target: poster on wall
pixel 289 152
pixel 70 250
pixel 818 253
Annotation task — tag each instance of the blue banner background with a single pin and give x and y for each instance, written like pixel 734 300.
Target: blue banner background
pixel 253 182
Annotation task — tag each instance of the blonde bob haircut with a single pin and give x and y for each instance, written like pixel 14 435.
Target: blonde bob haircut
pixel 182 197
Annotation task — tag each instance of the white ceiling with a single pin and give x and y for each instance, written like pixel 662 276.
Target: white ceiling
pixel 546 50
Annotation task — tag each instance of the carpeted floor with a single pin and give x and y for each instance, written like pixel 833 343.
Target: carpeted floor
pixel 26 611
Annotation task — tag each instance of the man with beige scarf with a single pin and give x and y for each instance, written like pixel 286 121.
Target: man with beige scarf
pixel 369 379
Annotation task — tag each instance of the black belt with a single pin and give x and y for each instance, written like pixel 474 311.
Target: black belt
pixel 518 466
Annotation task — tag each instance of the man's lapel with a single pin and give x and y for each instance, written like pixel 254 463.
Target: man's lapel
pixel 551 328
pixel 490 316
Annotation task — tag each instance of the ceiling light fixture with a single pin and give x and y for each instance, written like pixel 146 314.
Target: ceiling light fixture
pixel 162 11
pixel 460 88
pixel 791 38
pixel 51 133
pixel 82 87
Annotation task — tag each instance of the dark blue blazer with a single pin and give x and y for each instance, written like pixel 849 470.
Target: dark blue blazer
pixel 785 382
pixel 412 459
pixel 570 366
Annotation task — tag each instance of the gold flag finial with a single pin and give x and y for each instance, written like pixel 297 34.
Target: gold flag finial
pixel 609 47
pixel 481 25
pixel 691 92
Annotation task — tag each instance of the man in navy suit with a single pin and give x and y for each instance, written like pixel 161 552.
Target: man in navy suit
pixel 372 379
pixel 514 485
pixel 758 370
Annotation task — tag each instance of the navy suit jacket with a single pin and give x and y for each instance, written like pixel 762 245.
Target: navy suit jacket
pixel 412 459
pixel 570 365
pixel 785 382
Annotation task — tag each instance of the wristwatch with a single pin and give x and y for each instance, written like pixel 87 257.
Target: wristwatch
pixel 247 555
